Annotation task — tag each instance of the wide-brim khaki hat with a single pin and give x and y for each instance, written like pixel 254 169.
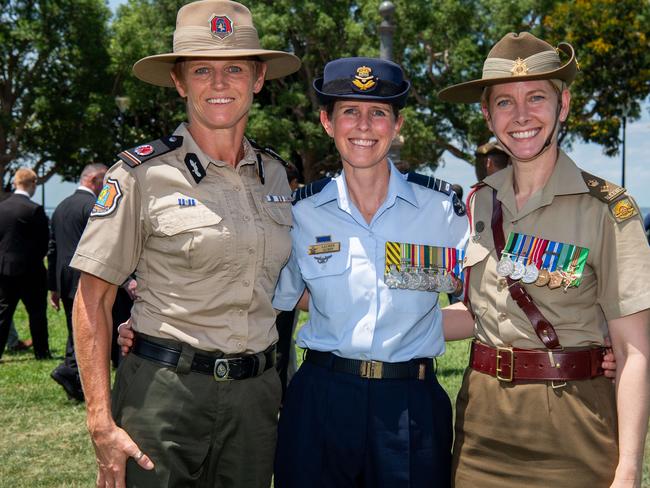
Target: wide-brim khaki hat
pixel 516 57
pixel 214 29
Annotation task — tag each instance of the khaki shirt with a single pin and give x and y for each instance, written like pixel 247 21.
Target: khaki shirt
pixel 615 277
pixel 206 255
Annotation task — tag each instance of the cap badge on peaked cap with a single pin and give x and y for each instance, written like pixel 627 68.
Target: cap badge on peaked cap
pixel 221 26
pixel 364 80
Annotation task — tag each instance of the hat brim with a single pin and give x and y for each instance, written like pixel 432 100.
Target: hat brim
pixel 156 69
pixel 326 98
pixel 471 91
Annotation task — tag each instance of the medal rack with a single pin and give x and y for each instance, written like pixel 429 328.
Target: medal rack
pixel 542 262
pixel 422 267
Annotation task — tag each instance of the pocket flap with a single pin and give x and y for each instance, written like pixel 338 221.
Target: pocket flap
pixel 175 221
pixel 279 212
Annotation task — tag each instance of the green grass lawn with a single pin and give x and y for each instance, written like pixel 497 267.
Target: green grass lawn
pixel 44 441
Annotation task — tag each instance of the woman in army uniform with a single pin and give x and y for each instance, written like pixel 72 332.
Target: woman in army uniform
pixel 202 217
pixel 557 259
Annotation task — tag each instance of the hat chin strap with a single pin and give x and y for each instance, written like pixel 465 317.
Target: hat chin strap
pixel 547 143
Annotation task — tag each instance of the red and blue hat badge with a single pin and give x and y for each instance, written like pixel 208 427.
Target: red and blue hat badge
pixel 220 26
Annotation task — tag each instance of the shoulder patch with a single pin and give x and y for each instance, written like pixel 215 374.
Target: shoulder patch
pixel 438 185
pixel 623 209
pixel 603 190
pixel 108 199
pixel 144 152
pixel 269 151
pixel 309 190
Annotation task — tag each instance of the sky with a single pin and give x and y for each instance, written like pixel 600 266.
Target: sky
pixel 587 156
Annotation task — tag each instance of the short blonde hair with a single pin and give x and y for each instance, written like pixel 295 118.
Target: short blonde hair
pixel 24 176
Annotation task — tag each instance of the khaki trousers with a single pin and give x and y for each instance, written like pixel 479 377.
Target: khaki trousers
pixel 197 431
pixel 533 435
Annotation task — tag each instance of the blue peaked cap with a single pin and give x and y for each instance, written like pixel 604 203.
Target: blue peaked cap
pixel 362 79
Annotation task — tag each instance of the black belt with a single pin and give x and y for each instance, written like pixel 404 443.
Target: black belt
pixel 221 368
pixel 420 368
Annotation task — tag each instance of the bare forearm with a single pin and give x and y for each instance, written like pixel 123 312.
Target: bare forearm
pixel 631 340
pixel 457 322
pixel 92 337
pixel 632 399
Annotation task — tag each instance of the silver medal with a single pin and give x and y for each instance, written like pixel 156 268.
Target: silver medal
pixel 505 266
pixel 531 274
pixel 414 281
pixel 519 271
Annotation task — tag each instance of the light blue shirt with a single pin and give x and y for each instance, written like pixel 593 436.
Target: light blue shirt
pixel 352 313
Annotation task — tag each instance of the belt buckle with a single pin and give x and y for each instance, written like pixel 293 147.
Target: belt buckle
pixel 371 369
pixel 500 350
pixel 221 370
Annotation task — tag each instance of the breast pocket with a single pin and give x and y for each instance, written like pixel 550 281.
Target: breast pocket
pixel 327 276
pixel 195 237
pixel 276 220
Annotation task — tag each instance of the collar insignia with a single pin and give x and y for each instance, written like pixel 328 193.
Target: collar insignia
pixel 195 167
pixel 519 68
pixel 220 26
pixel 364 79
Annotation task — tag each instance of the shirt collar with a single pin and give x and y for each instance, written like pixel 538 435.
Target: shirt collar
pixel 85 188
pixel 337 190
pixel 566 179
pixel 190 146
pixel 23 193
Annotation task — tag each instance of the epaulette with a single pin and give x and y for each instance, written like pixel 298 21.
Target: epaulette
pixel 270 152
pixel 603 190
pixel 308 190
pixel 620 205
pixel 438 185
pixel 144 152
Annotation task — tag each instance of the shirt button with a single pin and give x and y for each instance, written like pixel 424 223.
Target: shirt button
pixel 251 250
pixel 246 218
pixel 246 283
pixel 502 316
pixel 237 188
pixel 241 312
pixel 240 346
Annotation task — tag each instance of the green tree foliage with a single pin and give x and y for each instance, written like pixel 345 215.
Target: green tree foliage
pixel 438 42
pixel 53 85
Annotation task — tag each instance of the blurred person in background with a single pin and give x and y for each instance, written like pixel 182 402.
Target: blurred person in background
pixel 67 224
pixel 23 245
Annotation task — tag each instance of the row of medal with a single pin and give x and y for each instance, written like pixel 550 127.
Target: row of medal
pixel 542 262
pixel 422 267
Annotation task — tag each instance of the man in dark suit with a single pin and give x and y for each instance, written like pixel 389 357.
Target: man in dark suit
pixel 68 223
pixel 23 245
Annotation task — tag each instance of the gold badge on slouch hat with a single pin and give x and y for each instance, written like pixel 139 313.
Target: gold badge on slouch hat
pixel 519 68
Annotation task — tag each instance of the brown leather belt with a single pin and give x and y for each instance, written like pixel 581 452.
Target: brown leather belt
pixel 512 364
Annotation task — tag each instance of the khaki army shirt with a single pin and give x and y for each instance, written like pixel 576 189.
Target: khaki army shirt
pixel 615 277
pixel 206 241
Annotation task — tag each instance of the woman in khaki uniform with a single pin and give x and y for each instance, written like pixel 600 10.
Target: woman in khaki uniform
pixel 557 260
pixel 202 218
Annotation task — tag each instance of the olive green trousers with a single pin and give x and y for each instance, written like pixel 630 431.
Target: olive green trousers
pixel 197 431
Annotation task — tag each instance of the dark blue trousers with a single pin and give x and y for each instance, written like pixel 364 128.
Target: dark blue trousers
pixel 339 430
